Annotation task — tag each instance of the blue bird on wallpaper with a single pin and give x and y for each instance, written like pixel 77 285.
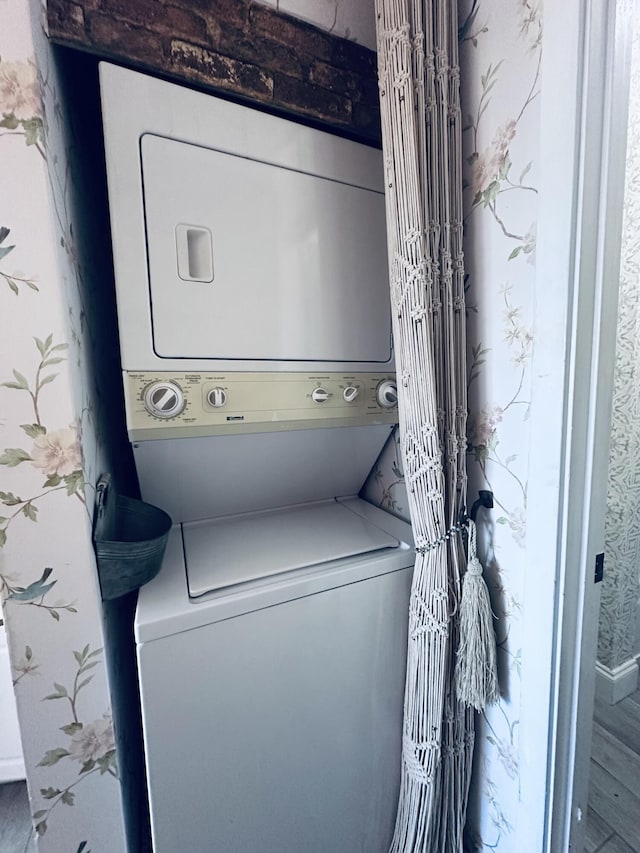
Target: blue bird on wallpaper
pixel 35 590
pixel 4 233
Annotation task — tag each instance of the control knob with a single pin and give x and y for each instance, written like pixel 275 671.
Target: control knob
pixel 319 395
pixel 217 397
pixel 387 394
pixel 350 393
pixel 163 399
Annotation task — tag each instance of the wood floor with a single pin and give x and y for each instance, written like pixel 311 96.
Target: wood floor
pixel 16 830
pixel 613 820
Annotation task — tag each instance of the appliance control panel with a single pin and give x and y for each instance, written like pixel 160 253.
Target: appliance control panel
pixel 175 405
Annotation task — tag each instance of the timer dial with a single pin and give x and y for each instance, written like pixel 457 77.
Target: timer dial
pixel 387 394
pixel 163 399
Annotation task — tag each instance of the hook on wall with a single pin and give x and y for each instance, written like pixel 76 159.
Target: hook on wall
pixel 484 499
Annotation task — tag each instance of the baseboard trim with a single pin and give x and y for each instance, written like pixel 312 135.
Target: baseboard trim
pixel 612 685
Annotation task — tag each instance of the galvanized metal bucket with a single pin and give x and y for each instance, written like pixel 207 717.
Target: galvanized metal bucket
pixel 130 537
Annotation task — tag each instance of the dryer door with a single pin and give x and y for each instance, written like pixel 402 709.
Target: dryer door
pixel 252 261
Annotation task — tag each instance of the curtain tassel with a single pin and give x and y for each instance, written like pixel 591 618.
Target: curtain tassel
pixel 476 672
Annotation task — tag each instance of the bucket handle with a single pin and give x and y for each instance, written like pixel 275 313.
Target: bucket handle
pixel 102 494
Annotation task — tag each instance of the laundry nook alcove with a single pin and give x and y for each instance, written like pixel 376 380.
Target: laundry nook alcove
pixel 199 235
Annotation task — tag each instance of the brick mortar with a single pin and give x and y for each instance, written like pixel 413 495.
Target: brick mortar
pixel 233 46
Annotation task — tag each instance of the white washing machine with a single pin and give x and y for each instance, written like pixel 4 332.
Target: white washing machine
pixel 255 333
pixel 272 705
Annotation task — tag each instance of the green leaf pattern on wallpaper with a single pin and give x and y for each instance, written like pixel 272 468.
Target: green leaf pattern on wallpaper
pixel 56 453
pixel 90 744
pixel 500 109
pixel 385 485
pixel 21 101
pixel 21 111
pixel 15 278
pixel 491 186
pixel 83 747
pixel 484 425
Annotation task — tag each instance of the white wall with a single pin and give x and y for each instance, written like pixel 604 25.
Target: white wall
pixel 351 19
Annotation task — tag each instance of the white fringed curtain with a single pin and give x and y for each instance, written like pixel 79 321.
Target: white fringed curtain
pixel 419 97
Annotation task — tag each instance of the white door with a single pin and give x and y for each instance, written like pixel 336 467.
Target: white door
pixel 11 760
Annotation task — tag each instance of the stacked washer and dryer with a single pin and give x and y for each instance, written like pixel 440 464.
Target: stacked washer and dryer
pixel 255 333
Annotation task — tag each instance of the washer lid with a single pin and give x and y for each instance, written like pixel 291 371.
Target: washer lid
pixel 224 552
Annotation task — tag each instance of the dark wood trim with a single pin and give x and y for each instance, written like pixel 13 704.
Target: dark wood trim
pixel 236 48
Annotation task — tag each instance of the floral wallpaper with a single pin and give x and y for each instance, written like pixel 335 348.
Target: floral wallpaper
pixel 50 453
pixel 501 53
pixel 385 485
pixel 500 57
pixel 621 587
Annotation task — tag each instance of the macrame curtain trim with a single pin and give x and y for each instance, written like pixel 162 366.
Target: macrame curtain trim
pixel 456 530
pixel 419 82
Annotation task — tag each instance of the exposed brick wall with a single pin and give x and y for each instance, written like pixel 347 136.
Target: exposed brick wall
pixel 232 46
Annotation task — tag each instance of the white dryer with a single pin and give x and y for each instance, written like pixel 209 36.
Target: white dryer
pixel 255 334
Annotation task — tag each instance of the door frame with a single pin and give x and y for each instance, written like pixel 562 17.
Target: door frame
pixel 589 55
